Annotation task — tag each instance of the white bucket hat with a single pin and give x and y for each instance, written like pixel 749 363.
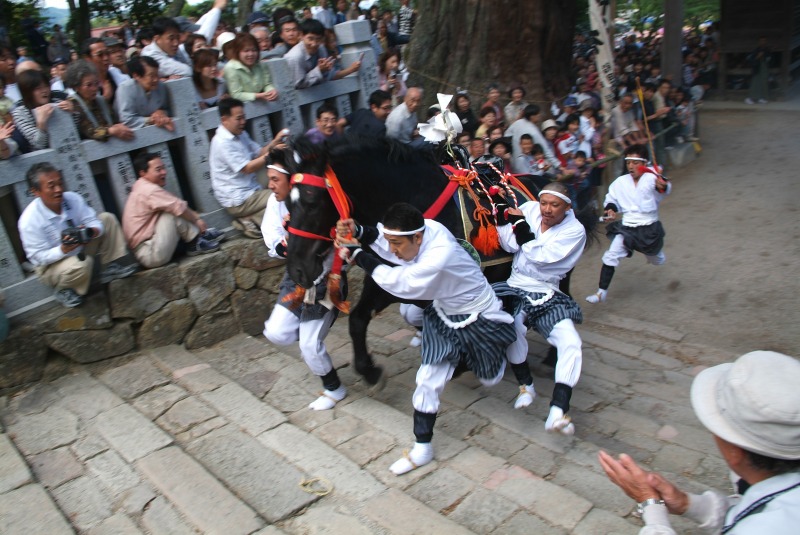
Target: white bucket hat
pixel 753 403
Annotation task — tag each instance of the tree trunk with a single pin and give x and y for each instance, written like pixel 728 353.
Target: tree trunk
pixel 472 43
pixel 175 8
pixel 80 21
pixel 243 10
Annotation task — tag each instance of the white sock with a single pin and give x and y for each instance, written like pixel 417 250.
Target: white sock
pixel 598 297
pixel 416 340
pixel 526 396
pixel 421 454
pixel 327 400
pixel 559 422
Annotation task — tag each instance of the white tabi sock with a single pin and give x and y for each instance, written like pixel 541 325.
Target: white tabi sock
pixel 421 454
pixel 416 340
pixel 598 297
pixel 526 396
pixel 328 399
pixel 558 422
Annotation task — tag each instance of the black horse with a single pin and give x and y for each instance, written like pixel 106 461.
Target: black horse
pixel 374 174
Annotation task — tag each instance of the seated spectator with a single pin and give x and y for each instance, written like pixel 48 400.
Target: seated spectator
pixel 143 100
pixel 95 50
pixel 308 62
pixel 57 69
pixel 402 122
pixel 164 49
pixel 469 123
pixel 388 79
pixel 488 118
pixel 94 119
pixel 514 109
pixel 154 219
pixel 32 115
pixel 207 85
pixel 623 123
pixel 327 117
pixel 246 77
pixel 289 34
pixel 63 260
pixel 235 159
pixel 372 122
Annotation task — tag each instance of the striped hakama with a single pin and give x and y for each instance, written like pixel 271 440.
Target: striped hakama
pixel 481 344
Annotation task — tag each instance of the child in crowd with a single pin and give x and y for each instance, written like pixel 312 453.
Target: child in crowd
pixel 532 160
pixel 568 142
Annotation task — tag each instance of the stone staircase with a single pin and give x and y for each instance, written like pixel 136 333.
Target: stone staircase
pixel 220 440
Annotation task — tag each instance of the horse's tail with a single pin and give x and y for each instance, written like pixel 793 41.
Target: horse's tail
pixel 588 218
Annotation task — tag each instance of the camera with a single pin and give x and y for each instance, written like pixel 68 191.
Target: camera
pixel 76 235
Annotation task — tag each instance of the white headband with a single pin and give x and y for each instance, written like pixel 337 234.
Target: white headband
pixel 635 159
pixel 384 230
pixel 556 194
pixel 278 169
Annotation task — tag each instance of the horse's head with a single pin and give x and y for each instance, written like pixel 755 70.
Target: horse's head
pixel 313 215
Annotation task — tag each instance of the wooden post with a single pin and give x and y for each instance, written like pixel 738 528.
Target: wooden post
pixel 671 57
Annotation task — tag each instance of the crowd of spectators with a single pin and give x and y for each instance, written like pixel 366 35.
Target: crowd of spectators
pixel 115 86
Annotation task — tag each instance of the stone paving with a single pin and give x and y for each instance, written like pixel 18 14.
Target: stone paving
pixel 219 440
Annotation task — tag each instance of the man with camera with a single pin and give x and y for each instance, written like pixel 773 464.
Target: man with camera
pixel 61 235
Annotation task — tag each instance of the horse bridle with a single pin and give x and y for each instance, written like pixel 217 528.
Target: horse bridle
pixel 340 200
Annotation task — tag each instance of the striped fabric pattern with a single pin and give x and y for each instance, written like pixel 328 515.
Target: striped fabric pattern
pixel 482 344
pixel 544 317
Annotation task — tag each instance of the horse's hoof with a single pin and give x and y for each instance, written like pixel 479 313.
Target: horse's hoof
pixel 380 383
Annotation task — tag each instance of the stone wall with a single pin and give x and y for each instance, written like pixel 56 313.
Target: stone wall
pixel 197 302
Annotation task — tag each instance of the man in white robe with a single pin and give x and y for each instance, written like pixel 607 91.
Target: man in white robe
pixel 465 323
pixel 307 323
pixel 547 241
pixel 636 195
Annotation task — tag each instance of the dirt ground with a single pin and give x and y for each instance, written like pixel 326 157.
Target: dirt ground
pixel 732 245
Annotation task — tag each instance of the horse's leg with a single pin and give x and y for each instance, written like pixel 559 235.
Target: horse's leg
pixel 373 299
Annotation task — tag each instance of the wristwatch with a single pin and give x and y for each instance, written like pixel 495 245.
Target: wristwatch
pixel 649 501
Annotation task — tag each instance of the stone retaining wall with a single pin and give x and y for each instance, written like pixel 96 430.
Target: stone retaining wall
pixel 197 302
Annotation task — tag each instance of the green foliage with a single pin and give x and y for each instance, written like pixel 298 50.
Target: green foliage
pixel 11 16
pixel 694 11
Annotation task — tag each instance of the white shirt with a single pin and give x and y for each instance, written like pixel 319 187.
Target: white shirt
pixel 40 228
pixel 272 225
pixel 401 123
pixel 117 75
pixel 227 157
pixel 541 263
pixel 325 16
pixel 442 272
pixel 711 510
pixel 167 65
pixel 637 202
